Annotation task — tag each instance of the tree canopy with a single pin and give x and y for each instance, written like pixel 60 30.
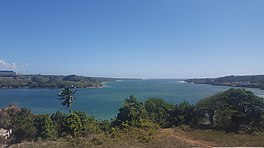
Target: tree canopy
pixel 234 109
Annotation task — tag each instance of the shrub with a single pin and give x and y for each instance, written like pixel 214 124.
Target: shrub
pixel 131 112
pixel 158 111
pixel 73 125
pixel 89 124
pixel 23 126
pixel 105 126
pixel 59 121
pixel 45 127
pixel 235 110
pixel 182 113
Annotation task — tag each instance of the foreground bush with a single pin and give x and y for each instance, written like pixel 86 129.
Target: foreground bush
pixel 23 126
pixel 158 111
pixel 131 113
pixel 45 127
pixel 234 110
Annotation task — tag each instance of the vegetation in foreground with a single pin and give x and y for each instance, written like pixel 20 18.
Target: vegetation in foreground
pixel 235 111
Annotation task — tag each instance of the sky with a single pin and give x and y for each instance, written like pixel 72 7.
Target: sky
pixel 133 38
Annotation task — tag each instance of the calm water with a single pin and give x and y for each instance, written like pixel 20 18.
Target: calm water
pixel 103 103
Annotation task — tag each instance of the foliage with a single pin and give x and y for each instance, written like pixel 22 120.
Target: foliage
pixel 131 113
pixel 59 121
pixel 105 126
pixel 89 124
pixel 254 81
pixel 7 115
pixel 45 127
pixel 50 81
pixel 182 113
pixel 209 107
pixel 73 125
pixel 158 111
pixel 23 126
pixel 66 94
pixel 234 110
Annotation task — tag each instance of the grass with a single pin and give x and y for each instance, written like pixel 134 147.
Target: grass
pixel 221 138
pixel 159 138
pixel 129 138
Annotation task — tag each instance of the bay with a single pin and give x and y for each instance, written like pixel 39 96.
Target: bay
pixel 103 103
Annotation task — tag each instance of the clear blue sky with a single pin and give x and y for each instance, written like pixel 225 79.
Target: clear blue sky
pixel 133 38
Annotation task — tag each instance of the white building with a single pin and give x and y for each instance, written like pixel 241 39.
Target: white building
pixel 7 73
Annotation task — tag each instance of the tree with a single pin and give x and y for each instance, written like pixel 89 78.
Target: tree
pixel 209 107
pixel 66 94
pixel 89 123
pixel 239 107
pixel 158 111
pixel 45 127
pixel 131 113
pixel 59 120
pixel 73 124
pixel 234 110
pixel 23 126
pixel 182 113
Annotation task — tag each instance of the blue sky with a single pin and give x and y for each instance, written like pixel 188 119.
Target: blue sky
pixel 133 38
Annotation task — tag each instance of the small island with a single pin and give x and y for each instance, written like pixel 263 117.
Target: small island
pixel 250 81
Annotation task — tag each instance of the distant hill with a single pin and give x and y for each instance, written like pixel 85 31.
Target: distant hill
pixel 251 81
pixel 51 81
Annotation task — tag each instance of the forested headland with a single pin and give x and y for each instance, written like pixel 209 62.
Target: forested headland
pixel 254 81
pixel 51 81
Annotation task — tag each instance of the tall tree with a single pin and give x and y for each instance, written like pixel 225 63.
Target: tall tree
pixel 66 94
pixel 234 110
pixel 158 111
pixel 132 112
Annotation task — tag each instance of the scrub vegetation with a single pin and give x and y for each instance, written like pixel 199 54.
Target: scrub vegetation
pixel 235 113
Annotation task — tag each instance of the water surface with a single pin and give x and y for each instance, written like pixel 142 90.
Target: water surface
pixel 103 103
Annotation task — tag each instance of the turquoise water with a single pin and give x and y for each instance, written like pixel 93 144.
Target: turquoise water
pixel 103 103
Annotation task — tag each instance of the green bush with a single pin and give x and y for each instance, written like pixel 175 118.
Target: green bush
pixel 234 110
pixel 105 126
pixel 45 127
pixel 182 113
pixel 158 111
pixel 89 124
pixel 59 121
pixel 131 112
pixel 23 126
pixel 73 125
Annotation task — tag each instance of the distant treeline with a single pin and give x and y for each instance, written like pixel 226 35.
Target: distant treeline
pixel 254 81
pixel 51 81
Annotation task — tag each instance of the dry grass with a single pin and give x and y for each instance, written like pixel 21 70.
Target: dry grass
pixel 135 138
pixel 221 138
pixel 162 138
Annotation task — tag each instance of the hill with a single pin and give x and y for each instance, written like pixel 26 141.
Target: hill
pixel 51 81
pixel 251 81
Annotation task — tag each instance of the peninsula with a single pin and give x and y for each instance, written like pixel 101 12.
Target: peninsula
pixel 251 81
pixel 51 81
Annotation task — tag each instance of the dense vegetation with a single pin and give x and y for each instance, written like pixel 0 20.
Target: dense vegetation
pixel 235 110
pixel 50 81
pixel 255 81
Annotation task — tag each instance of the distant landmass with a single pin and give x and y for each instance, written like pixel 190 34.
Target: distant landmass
pixel 9 79
pixel 251 81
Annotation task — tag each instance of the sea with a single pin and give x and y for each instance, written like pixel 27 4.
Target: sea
pixel 103 103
